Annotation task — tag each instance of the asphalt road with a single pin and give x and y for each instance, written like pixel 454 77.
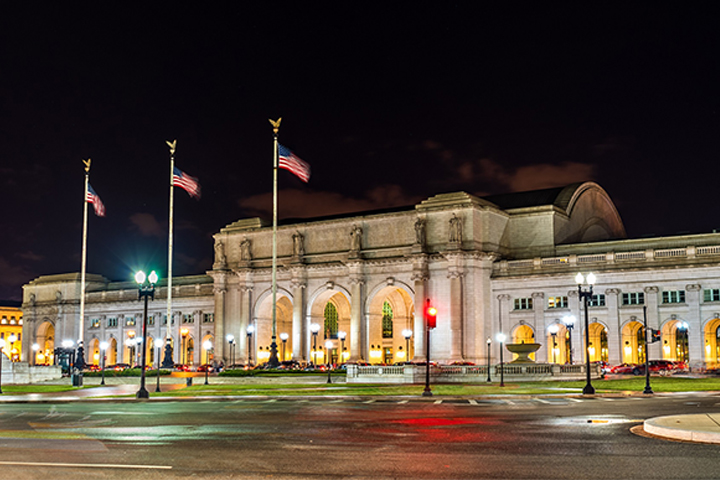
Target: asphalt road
pixel 511 438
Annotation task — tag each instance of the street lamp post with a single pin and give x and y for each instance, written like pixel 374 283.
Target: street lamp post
pixel 231 341
pixel 569 321
pixel 407 333
pixel 314 328
pixel 489 341
pixel 183 355
pixel 146 289
pixel 35 348
pixel 103 347
pixel 250 329
pixel 501 338
pixel 342 335
pixel 328 347
pixel 284 337
pixel 586 294
pixel 207 346
pixel 554 329
pixel 2 347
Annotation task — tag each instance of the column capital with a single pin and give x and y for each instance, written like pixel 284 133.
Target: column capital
pixel 222 290
pixel 572 293
pixel 612 291
pixel 693 287
pixel 538 295
pixel 652 289
pixel 298 283
pixel 420 276
pixel 503 296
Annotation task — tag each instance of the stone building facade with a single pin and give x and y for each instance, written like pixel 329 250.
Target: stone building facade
pixel 353 287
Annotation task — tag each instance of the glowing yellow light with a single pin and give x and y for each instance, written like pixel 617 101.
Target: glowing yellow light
pixel 666 349
pixel 401 354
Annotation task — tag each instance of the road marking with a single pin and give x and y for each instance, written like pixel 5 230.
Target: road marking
pixel 437 402
pixel 576 400
pixel 369 401
pixel 542 400
pixel 472 401
pixel 87 465
pixel 403 401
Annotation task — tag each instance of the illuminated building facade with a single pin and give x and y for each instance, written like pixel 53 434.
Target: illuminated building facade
pixel 500 263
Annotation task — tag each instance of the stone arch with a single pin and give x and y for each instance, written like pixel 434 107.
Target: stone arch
pixel 711 335
pixel 262 320
pixel 317 310
pixel 633 347
pixel 675 340
pixel 111 354
pixel 207 355
pixel 523 333
pixel 394 302
pixel 598 337
pixel 94 352
pixel 45 337
pixel 558 344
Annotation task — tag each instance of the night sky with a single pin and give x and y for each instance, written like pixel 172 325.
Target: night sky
pixel 389 105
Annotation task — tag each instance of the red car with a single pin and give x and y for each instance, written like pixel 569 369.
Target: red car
pixel 206 368
pixel 182 368
pixel 623 368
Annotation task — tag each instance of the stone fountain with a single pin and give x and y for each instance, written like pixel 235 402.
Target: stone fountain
pixel 523 351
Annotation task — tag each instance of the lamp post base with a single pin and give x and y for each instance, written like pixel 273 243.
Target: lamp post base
pixel 588 390
pixel 427 392
pixel 142 393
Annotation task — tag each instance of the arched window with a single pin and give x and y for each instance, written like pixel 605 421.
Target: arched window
pixel 387 321
pixel 641 345
pixel 331 321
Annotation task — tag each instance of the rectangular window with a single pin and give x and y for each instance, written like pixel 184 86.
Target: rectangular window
pixel 164 319
pixel 129 321
pixel 557 302
pixel 151 319
pixel 712 295
pixel 95 323
pixel 673 296
pixel 188 318
pixel 633 298
pixel 112 322
pixel 208 317
pixel 523 304
pixel 597 300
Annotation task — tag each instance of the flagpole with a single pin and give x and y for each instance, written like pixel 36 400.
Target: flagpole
pixel 172 146
pixel 83 261
pixel 273 360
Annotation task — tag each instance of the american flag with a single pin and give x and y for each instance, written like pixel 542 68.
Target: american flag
pixel 93 198
pixel 186 182
pixel 290 161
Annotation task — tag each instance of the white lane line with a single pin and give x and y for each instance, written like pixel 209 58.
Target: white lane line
pixel 542 401
pixel 438 402
pixel 472 401
pixel 87 465
pixel 403 401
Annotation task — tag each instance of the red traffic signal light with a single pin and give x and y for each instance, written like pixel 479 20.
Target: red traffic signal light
pixel 654 335
pixel 430 315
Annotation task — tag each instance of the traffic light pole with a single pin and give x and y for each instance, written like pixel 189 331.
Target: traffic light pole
pixel 648 390
pixel 427 392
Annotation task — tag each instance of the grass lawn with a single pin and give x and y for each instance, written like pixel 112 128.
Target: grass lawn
pixel 37 388
pixel 634 384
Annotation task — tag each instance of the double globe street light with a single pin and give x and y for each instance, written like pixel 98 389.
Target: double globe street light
pixel 146 289
pixel 585 292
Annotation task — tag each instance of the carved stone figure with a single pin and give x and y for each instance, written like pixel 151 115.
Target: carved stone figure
pixel 420 232
pixel 220 253
pixel 455 230
pixel 245 250
pixel 298 247
pixel 356 239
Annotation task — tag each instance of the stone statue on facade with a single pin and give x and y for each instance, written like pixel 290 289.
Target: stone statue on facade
pixel 245 255
pixel 298 247
pixel 220 254
pixel 356 239
pixel 455 230
pixel 420 232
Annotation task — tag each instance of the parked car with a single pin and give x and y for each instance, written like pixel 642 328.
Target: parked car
pixel 462 364
pixel 662 367
pixel 623 368
pixel 179 367
pixel 92 368
pixel 206 368
pixel 118 367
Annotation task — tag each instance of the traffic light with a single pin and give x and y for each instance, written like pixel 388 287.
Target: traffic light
pixel 430 315
pixel 654 335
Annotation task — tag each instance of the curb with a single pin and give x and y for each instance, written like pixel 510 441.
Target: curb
pixel 700 428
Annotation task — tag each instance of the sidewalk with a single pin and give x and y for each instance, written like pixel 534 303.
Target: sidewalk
pixel 703 428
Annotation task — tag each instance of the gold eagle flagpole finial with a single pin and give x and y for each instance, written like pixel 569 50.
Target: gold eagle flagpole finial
pixel 275 124
pixel 172 146
pixel 87 165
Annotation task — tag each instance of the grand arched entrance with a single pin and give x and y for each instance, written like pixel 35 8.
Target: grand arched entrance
pixel 675 345
pixel 598 347
pixel 264 326
pixel 633 342
pixel 330 326
pixel 45 338
pixel 557 343
pixel 712 343
pixel 523 334
pixel 391 311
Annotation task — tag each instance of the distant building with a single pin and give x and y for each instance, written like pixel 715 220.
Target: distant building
pixel 11 323
pixel 503 263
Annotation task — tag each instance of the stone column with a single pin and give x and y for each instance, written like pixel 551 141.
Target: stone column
pixel 420 278
pixel 539 325
pixel 696 338
pixel 652 301
pixel 455 274
pixel 245 321
pixel 503 326
pixel 219 344
pixel 358 330
pixel 614 331
pixel 577 342
pixel 299 325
